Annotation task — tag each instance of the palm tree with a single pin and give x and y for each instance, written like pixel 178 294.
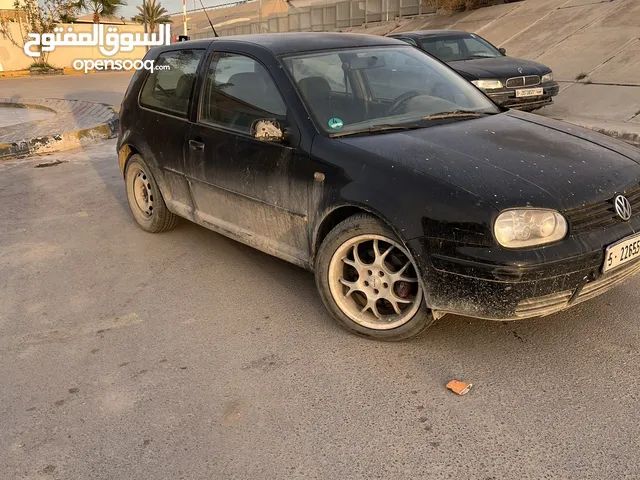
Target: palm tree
pixel 155 14
pixel 105 8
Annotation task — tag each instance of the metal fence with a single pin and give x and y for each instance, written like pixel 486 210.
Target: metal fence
pixel 327 17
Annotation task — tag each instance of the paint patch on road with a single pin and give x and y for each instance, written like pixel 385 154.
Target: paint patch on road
pixel 232 413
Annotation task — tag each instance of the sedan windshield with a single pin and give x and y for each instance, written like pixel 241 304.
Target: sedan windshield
pixel 452 48
pixel 376 89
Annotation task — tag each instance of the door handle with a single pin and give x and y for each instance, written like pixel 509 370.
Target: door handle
pixel 195 145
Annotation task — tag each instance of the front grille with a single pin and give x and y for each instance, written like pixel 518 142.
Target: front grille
pixel 545 305
pixel 607 281
pixel 599 216
pixel 527 81
pixel 555 302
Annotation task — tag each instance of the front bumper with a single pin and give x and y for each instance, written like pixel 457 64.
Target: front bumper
pixel 519 300
pixel 506 97
pixel 497 284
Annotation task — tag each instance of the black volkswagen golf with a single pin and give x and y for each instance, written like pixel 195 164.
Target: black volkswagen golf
pixel 508 81
pixel 409 198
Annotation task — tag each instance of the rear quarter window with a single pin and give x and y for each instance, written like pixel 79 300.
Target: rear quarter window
pixel 168 88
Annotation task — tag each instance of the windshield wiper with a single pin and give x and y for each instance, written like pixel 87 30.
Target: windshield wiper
pixel 471 57
pixel 376 129
pixel 455 114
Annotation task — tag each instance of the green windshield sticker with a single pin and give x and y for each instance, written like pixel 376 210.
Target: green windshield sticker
pixel 335 123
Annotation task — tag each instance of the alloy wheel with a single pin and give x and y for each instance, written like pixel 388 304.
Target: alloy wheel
pixel 374 282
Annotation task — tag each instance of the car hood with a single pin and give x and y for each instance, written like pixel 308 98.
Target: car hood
pixel 514 159
pixel 498 67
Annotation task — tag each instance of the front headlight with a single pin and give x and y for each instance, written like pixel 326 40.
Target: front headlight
pixel 528 227
pixel 547 77
pixel 487 84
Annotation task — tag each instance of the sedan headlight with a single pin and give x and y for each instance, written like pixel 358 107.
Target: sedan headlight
pixel 547 77
pixel 529 227
pixel 487 84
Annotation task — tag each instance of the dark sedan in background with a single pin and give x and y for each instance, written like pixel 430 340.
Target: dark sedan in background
pixel 510 82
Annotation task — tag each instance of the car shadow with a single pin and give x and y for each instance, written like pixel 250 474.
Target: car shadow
pixel 497 343
pixel 103 170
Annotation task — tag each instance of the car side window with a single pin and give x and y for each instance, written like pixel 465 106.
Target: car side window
pixel 238 91
pixel 169 86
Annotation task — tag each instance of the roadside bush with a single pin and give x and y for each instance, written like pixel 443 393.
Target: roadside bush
pixel 452 6
pixel 41 65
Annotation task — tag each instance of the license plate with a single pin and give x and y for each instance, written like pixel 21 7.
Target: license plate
pixel 624 251
pixel 529 92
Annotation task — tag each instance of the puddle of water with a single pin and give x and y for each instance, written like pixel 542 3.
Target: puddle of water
pixel 17 115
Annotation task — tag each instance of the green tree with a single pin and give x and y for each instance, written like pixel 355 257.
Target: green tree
pixel 34 17
pixel 104 8
pixel 156 14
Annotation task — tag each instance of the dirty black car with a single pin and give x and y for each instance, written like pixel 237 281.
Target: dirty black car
pixel 508 81
pixel 408 201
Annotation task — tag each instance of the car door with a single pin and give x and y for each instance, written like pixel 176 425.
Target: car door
pixel 164 101
pixel 252 190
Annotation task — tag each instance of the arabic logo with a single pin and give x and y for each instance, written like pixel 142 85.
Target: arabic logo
pixel 519 69
pixel 108 44
pixel 623 207
pixel 335 123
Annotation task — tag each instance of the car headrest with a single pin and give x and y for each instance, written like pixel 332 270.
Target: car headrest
pixel 184 85
pixel 246 82
pixel 315 87
pixel 445 52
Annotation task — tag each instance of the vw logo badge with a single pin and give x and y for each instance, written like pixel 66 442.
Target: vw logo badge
pixel 623 207
pixel 519 69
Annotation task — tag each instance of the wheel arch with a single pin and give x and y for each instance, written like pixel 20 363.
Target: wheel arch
pixel 124 154
pixel 128 149
pixel 338 214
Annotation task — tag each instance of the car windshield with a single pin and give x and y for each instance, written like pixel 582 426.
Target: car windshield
pixel 451 48
pixel 381 88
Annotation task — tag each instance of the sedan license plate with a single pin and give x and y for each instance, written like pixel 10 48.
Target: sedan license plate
pixel 529 92
pixel 624 251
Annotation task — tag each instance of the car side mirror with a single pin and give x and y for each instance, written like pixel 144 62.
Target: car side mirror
pixel 267 130
pixel 503 51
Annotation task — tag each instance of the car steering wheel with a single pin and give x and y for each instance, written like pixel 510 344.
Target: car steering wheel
pixel 400 100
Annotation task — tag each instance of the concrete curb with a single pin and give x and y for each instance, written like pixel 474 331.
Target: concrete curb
pixel 625 131
pixel 629 137
pixel 62 141
pixel 65 71
pixel 15 73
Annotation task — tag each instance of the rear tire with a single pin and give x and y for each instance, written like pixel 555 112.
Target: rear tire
pixel 144 197
pixel 369 282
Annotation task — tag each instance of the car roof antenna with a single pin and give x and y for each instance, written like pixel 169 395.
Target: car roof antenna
pixel 215 34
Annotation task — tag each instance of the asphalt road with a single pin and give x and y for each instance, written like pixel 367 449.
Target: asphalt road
pixel 187 355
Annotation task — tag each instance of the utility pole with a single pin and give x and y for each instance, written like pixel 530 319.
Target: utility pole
pixel 144 20
pixel 184 16
pixel 259 16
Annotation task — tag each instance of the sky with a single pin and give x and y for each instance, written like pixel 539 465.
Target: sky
pixel 172 6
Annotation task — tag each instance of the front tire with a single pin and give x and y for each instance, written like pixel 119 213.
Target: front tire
pixel 144 197
pixel 369 282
